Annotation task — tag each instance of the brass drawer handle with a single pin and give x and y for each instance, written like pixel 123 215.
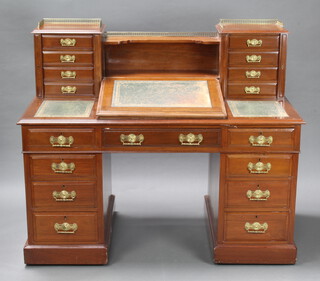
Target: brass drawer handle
pixel 190 139
pixel 68 42
pixel 66 228
pixel 131 139
pixel 259 168
pixel 252 90
pixel 67 58
pixel 254 43
pixel 63 168
pixel 253 74
pixel 256 227
pixel 68 74
pixel 260 140
pixel 258 195
pixel 68 89
pixel 64 196
pixel 61 141
pixel 253 58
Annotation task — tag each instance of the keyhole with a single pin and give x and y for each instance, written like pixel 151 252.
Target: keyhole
pixel 65 218
pixel 256 217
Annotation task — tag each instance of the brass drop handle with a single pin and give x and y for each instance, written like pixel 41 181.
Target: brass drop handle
pixel 61 141
pixel 252 90
pixel 254 43
pixel 68 89
pixel 190 139
pixel 253 58
pixel 258 195
pixel 68 58
pixel 131 139
pixel 256 227
pixel 68 74
pixel 63 167
pixel 253 74
pixel 65 228
pixel 259 168
pixel 260 140
pixel 64 196
pixel 68 42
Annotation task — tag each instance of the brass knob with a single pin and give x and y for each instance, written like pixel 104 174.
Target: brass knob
pixel 259 168
pixel 131 139
pixel 68 42
pixel 260 140
pixel 63 167
pixel 68 74
pixel 68 89
pixel 68 58
pixel 65 228
pixel 254 43
pixel 253 74
pixel 61 141
pixel 64 195
pixel 190 139
pixel 252 90
pixel 256 227
pixel 258 195
pixel 253 58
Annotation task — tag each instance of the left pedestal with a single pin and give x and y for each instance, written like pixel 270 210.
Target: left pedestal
pixel 69 222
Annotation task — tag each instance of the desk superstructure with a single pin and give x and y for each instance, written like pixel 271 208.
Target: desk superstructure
pixel 237 76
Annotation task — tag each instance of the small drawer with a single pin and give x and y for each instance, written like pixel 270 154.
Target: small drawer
pixel 64 166
pixel 256 165
pixel 70 90
pixel 253 41
pixel 67 42
pixel 251 90
pixel 253 75
pixel 70 74
pixel 192 139
pixel 254 59
pixel 257 194
pixel 64 195
pixel 256 227
pixel 64 139
pixel 261 138
pixel 52 58
pixel 65 228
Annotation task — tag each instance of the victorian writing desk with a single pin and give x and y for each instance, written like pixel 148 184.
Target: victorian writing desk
pixel 221 93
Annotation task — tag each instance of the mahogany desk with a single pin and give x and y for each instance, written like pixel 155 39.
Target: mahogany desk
pixel 250 204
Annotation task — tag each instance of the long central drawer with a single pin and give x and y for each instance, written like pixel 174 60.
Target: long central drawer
pixel 194 139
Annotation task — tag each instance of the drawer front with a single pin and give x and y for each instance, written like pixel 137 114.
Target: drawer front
pixel 259 166
pixel 70 74
pixel 257 42
pixel 253 59
pixel 64 195
pixel 257 194
pixel 261 138
pixel 63 166
pixel 67 42
pixel 64 139
pixel 253 75
pixel 255 227
pixel 82 227
pixel 70 90
pixel 252 90
pixel 189 138
pixel 51 58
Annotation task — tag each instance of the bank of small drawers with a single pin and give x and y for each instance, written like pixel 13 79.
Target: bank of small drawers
pixel 253 66
pixel 68 66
